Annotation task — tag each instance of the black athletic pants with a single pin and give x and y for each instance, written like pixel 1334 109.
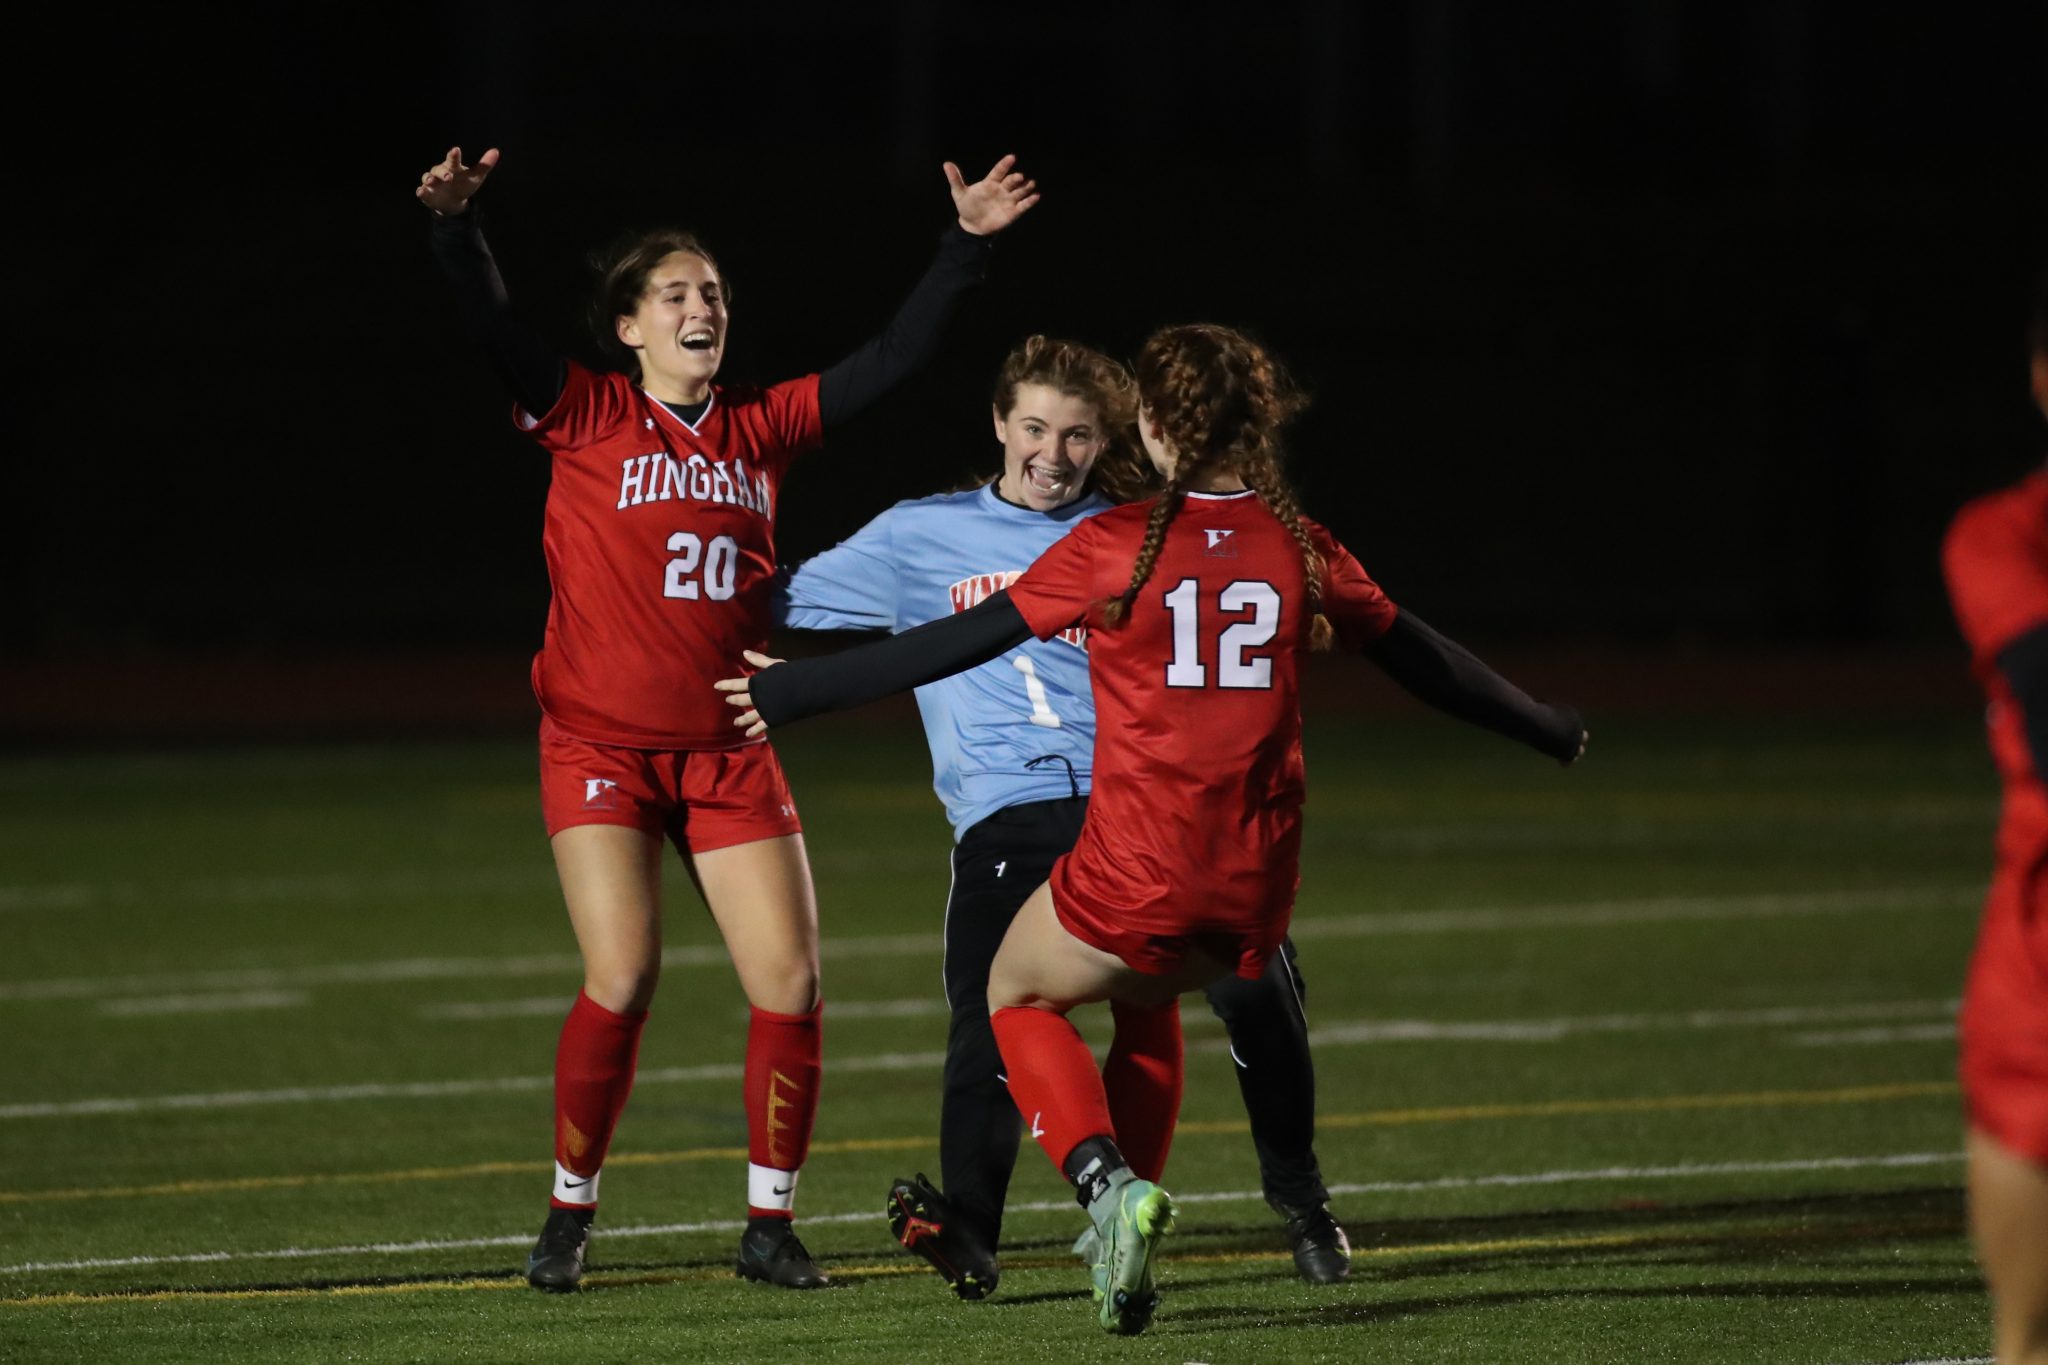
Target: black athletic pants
pixel 997 864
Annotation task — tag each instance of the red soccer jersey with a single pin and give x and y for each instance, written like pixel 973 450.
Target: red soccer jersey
pixel 660 546
pixel 1195 821
pixel 1996 560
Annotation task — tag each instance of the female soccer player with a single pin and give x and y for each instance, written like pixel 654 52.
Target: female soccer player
pixel 1200 604
pixel 659 542
pixel 1012 744
pixel 1996 560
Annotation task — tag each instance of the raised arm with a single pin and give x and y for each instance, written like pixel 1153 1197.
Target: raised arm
pixel 1451 678
pixel 784 692
pixel 985 207
pixel 534 371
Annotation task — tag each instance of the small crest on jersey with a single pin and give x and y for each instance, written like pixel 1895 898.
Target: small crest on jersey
pixel 1220 546
pixel 974 590
pixel 598 793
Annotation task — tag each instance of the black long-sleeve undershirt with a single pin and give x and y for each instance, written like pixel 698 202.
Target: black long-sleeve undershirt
pixel 536 373
pixel 1437 670
pixel 533 370
pixel 1451 678
pixel 853 677
pixel 2024 665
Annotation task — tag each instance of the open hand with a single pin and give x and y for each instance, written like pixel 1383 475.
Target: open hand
pixel 993 202
pixel 448 186
pixel 739 692
pixel 1584 736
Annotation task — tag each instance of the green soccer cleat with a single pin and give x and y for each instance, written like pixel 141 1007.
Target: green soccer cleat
pixel 1123 1277
pixel 1088 1246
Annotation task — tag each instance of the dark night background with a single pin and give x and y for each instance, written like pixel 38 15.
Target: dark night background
pixel 1662 328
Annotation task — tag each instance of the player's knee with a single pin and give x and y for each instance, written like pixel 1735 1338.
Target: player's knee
pixel 791 990
pixel 624 988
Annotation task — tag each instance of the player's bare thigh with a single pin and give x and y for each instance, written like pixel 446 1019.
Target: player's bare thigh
pixel 761 898
pixel 611 880
pixel 2009 1222
pixel 1041 964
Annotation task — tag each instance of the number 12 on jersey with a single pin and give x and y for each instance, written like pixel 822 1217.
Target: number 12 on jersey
pixel 1233 669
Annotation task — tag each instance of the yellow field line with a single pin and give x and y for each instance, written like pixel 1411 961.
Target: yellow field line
pixel 1750 1099
pixel 600 1280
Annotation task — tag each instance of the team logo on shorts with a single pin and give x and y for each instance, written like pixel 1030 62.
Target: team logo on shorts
pixel 599 793
pixel 1221 546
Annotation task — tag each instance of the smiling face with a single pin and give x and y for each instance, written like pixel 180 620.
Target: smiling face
pixel 1050 442
pixel 678 327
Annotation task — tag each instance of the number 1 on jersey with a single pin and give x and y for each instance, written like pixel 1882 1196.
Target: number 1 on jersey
pixel 1041 709
pixel 1233 669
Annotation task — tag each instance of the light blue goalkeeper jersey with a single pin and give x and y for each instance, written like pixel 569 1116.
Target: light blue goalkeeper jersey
pixel 931 557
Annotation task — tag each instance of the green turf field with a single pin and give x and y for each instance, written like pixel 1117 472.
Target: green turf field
pixel 1648 1061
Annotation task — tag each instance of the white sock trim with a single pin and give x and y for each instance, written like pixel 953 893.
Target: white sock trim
pixel 571 1188
pixel 768 1188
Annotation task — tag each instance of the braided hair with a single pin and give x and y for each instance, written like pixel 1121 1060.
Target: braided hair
pixel 1217 397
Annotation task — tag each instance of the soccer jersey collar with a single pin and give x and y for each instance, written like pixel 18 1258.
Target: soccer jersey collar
pixel 1002 506
pixel 703 410
pixel 1223 497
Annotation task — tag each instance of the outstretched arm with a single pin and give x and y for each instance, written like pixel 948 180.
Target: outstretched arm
pixel 531 369
pixel 985 208
pixel 784 692
pixel 1451 678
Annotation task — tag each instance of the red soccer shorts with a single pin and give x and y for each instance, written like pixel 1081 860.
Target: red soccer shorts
pixel 701 798
pixel 2004 1034
pixel 1162 954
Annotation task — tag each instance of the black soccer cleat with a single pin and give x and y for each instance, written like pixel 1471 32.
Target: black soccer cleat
pixel 770 1253
pixel 1322 1253
pixel 925 1224
pixel 556 1262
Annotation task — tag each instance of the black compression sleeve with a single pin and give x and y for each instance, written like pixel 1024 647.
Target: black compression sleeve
pixel 937 649
pixel 1451 678
pixel 2024 664
pixel 885 360
pixel 531 369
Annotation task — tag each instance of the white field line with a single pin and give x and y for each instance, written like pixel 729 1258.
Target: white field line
pixel 429 1090
pixel 558 1004
pixel 335 887
pixel 567 965
pixel 306 886
pixel 837 1011
pixel 523 1008
pixel 1355 1033
pixel 1597 914
pixel 1657 910
pixel 1855 1037
pixel 1600 1175
pixel 1550 1030
pixel 153 1005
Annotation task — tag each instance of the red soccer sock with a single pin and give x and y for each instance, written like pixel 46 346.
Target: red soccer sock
pixel 594 1064
pixel 785 1056
pixel 1142 1078
pixel 1053 1079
